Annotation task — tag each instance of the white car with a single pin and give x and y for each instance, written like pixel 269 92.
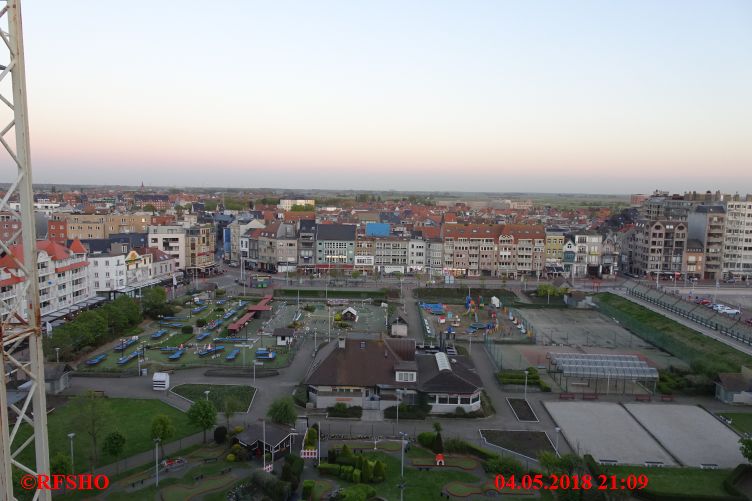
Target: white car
pixel 718 306
pixel 730 311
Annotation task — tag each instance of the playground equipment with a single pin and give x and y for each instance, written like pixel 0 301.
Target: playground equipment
pixel 176 356
pixel 203 336
pixel 233 355
pixel 159 333
pixel 125 343
pixel 265 354
pixel 97 359
pixel 125 359
pixel 210 350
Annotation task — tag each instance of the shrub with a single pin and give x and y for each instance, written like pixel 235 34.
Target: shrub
pixel 308 488
pixel 201 322
pixel 292 470
pixel 460 411
pixel 237 430
pixel 329 469
pixel 438 444
pixel 356 475
pixel 220 434
pixel 504 466
pixel 186 329
pixel 426 439
pixel 456 445
pixel 309 308
pixel 379 472
pixel 220 292
pixel 230 458
pixel 345 472
pixel 367 471
pixel 331 455
pixel 343 411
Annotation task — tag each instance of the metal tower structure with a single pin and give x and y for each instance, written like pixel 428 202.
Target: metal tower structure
pixel 20 330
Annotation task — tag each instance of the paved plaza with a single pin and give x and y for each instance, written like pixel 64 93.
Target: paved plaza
pixel 607 432
pixel 690 433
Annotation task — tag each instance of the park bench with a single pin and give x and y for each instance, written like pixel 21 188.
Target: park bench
pixel 667 398
pixel 590 396
pixel 642 398
pixel 708 466
pixel 654 464
pixel 566 396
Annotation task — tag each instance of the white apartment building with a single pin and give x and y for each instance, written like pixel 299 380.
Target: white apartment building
pixel 63 278
pixel 286 204
pixel 107 272
pixel 737 239
pixel 416 256
pixel 170 239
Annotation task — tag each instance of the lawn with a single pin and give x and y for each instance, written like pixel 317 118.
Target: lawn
pixel 131 417
pixel 420 485
pixel 740 421
pixel 680 341
pixel 527 443
pixel 677 481
pixel 382 445
pixel 218 393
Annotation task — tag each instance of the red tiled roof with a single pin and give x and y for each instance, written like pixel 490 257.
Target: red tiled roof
pixel 73 266
pixel 56 251
pixel 11 281
pixel 77 247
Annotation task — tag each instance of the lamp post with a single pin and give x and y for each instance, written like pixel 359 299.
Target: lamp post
pixel 156 460
pixel 399 401
pixel 526 385
pixel 57 355
pixel 70 436
pixel 263 439
pixel 206 392
pixel 556 447
pixel 402 464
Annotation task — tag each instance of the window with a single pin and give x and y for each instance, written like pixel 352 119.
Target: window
pixel 443 399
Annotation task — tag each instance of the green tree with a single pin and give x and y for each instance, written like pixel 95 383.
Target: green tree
pixel 60 464
pixel 379 472
pixel 745 444
pixel 130 309
pixel 282 411
pixel 367 472
pixel 229 407
pixel 150 208
pixel 162 429
pixel 113 445
pixel 203 414
pixel 93 417
pixel 154 302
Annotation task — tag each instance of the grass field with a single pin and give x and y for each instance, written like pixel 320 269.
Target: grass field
pixel 740 421
pixel 678 481
pixel 682 342
pixel 218 393
pixel 131 417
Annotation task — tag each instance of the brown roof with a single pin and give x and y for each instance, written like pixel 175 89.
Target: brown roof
pixel 471 231
pixel 364 363
pixel 734 381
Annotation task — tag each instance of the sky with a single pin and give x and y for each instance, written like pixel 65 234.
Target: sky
pixel 540 96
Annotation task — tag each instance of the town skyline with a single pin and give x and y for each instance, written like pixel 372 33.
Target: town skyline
pixel 431 96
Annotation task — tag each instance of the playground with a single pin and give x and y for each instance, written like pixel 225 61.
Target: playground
pixel 367 317
pixel 166 346
pixel 473 319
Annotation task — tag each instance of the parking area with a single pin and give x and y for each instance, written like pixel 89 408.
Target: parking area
pixel 370 318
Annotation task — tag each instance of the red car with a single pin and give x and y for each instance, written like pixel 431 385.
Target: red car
pixel 704 301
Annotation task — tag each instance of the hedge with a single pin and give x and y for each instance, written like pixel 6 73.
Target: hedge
pixel 456 445
pixel 329 469
pixel 426 439
pixel 308 486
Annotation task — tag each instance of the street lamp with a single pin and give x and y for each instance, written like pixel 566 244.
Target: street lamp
pixel 526 385
pixel 156 459
pixel 556 447
pixel 402 464
pixel 206 392
pixel 57 355
pixel 399 401
pixel 70 436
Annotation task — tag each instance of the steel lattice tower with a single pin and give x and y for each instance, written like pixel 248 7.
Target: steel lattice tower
pixel 20 330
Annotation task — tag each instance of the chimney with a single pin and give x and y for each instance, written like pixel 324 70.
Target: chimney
pixel 341 343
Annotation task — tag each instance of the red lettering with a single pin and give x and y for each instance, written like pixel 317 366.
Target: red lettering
pixel 84 482
pixel 57 481
pixel 70 482
pixel 101 482
pixel 43 482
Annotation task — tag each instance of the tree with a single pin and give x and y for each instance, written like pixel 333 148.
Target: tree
pixel 150 208
pixel 60 464
pixel 154 302
pixel 229 407
pixel 745 444
pixel 203 414
pixel 282 411
pixel 162 429
pixel 93 418
pixel 379 472
pixel 114 443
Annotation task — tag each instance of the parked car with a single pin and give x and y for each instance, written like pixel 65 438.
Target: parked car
pixel 729 281
pixel 719 306
pixel 731 311
pixel 704 301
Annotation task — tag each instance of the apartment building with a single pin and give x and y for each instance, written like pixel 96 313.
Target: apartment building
pixel 737 239
pixel 306 244
pixel 521 251
pixel 170 239
pixel 201 241
pixel 237 229
pixel 470 249
pixel 589 251
pixel 335 246
pixel 706 224
pixel 63 278
pixel 286 204
pixel 159 202
pixel 554 245
pixel 658 247
pixel 88 226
